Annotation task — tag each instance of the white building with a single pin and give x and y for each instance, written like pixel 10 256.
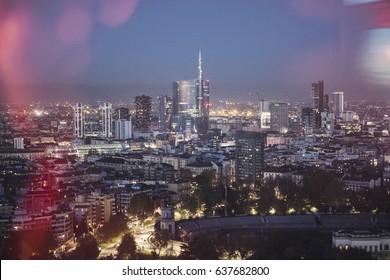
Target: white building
pixel 106 119
pixel 19 143
pixel 123 129
pixel 375 242
pixel 78 120
pixel 338 103
pixel 265 115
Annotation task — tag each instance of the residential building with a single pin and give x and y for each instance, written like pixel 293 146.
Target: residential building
pixel 106 119
pixel 338 104
pixel 78 120
pixel 123 129
pixel 279 117
pixel 143 110
pixel 249 155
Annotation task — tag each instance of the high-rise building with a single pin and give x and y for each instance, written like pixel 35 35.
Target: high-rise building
pixel 317 90
pixel 143 110
pixel 338 104
pixel 265 115
pixel 106 119
pixel 164 113
pixel 122 113
pixel 250 155
pixel 279 117
pixel 78 120
pixel 327 121
pixel 203 100
pixel 184 103
pixel 191 103
pixel 320 101
pixel 308 117
pixel 123 129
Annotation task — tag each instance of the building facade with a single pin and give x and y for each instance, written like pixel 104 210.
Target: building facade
pixel 375 242
pixel 164 113
pixel 106 119
pixel 320 101
pixel 279 117
pixel 265 115
pixel 191 105
pixel 249 155
pixel 123 129
pixel 78 120
pixel 122 113
pixel 143 111
pixel 338 104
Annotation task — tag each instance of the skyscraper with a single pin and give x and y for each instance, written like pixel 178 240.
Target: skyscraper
pixel 143 110
pixel 184 104
pixel 164 112
pixel 203 100
pixel 320 101
pixel 122 113
pixel 308 117
pixel 250 155
pixel 190 104
pixel 265 115
pixel 106 119
pixel 279 117
pixel 317 90
pixel 78 120
pixel 338 104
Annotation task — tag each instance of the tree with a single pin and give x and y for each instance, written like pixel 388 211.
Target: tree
pixel 127 249
pixel 87 249
pixel 188 202
pixel 267 198
pixel 317 186
pixel 208 192
pixel 141 206
pixel 240 198
pixel 380 199
pixel 185 174
pixel 200 248
pixel 291 193
pixel 114 227
pixel 159 239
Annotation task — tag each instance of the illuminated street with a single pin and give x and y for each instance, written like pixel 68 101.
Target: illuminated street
pixel 141 235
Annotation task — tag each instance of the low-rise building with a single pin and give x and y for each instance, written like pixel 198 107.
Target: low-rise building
pixel 375 242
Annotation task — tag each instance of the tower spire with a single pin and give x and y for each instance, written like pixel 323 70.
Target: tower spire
pixel 200 66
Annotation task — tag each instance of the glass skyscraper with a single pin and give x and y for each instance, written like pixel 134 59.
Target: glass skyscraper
pixel 190 105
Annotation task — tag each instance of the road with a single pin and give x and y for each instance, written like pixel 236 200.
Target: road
pixel 141 234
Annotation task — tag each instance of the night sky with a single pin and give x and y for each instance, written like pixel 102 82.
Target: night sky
pixel 115 49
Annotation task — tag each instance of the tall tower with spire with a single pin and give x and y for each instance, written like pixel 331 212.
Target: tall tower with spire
pixel 200 86
pixel 190 104
pixel 203 101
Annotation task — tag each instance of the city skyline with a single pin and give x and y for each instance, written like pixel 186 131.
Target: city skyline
pixel 98 49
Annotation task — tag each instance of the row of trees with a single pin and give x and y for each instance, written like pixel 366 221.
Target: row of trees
pixel 319 191
pixel 272 245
